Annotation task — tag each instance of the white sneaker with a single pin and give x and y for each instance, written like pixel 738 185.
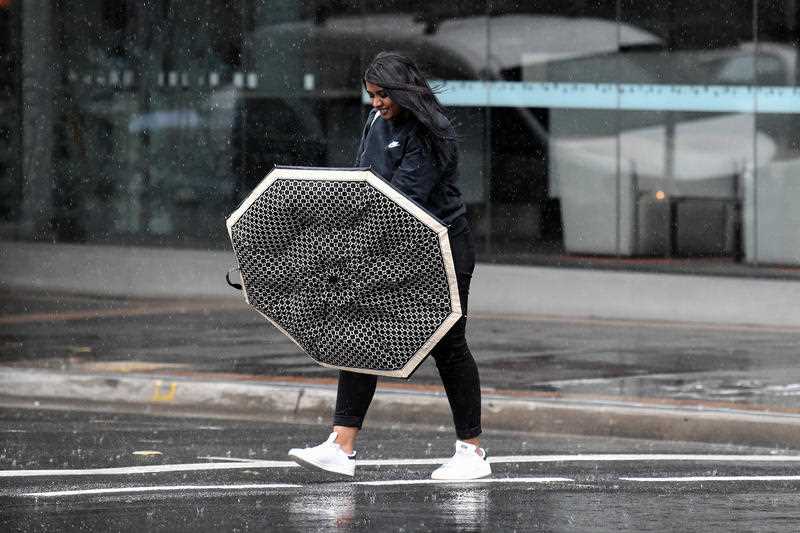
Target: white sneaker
pixel 469 462
pixel 326 457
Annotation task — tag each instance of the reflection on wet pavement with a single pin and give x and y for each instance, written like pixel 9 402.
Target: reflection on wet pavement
pixel 768 390
pixel 322 509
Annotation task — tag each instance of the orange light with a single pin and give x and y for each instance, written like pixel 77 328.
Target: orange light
pixel 5 3
pixel 660 195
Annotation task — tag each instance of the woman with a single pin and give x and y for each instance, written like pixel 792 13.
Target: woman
pixel 409 142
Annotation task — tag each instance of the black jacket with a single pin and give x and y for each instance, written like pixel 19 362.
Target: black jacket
pixel 394 149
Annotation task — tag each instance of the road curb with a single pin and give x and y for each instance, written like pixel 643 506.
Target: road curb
pixel 314 402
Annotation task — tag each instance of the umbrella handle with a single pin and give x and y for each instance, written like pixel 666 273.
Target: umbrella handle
pixel 237 286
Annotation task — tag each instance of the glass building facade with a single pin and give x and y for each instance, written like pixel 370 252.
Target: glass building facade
pixel 589 128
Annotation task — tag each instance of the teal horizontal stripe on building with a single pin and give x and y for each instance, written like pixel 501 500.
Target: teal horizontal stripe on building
pixel 629 97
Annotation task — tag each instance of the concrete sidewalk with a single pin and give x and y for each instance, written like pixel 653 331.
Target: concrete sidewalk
pixel 162 272
pixel 276 399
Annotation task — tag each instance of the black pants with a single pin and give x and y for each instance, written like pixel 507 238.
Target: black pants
pixel 456 366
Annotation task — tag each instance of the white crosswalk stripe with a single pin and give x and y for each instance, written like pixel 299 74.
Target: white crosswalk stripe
pixel 239 464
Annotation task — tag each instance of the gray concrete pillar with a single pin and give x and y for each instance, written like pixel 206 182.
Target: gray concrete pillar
pixel 39 85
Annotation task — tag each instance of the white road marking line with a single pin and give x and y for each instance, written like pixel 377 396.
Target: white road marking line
pixel 711 478
pixel 161 488
pixel 596 458
pixel 485 480
pixel 230 459
pixel 395 482
pixel 238 464
pixel 622 457
pixel 125 470
pixel 165 488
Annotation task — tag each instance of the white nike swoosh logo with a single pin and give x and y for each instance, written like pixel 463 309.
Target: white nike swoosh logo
pixel 393 144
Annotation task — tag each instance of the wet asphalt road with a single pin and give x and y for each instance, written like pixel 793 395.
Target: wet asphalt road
pixel 595 357
pixel 211 480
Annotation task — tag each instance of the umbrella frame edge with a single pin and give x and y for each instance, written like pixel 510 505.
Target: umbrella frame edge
pixel 418 212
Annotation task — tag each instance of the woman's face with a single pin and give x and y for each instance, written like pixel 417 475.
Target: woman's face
pixel 381 101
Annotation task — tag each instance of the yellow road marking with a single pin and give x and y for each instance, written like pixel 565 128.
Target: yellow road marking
pixel 131 366
pixel 146 453
pixel 160 396
pixel 78 349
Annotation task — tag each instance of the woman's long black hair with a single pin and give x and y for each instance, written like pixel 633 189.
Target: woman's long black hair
pixel 403 82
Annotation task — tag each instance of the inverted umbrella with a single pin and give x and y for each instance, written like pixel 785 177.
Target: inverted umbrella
pixel 356 274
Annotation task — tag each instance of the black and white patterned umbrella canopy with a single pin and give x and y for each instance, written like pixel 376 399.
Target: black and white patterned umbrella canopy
pixel 355 273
